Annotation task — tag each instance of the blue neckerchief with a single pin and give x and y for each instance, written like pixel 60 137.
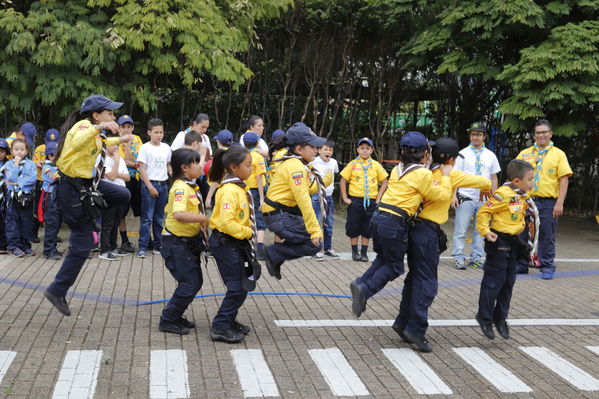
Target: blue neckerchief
pixel 478 162
pixel 366 198
pixel 539 167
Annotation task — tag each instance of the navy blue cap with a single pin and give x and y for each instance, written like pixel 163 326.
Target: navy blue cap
pixel 365 140
pixel 415 140
pixel 444 149
pixel 478 126
pixel 52 135
pixel 225 137
pixel 51 148
pixel 277 133
pixel 250 138
pixel 301 124
pixel 303 135
pixel 125 119
pixel 98 103
pixel 29 131
pixel 4 144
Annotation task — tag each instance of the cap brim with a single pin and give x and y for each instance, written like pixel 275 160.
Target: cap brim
pixel 113 105
pixel 430 142
pixel 317 141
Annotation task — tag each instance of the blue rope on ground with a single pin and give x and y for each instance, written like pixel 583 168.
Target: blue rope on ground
pixel 255 293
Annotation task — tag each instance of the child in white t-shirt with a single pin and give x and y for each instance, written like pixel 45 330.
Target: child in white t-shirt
pixel 325 164
pixel 115 172
pixel 154 167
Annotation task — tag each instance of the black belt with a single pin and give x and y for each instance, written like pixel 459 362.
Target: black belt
pixel 294 210
pixel 429 223
pixel 74 180
pixel 537 198
pixel 505 236
pixel 386 214
pixel 394 208
pixel 171 237
pixel 159 181
pixel 228 240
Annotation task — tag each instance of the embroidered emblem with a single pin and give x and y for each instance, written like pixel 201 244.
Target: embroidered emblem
pixel 226 206
pixel 498 197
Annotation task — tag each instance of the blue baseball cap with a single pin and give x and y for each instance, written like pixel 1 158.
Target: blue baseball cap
pixel 52 135
pixel 277 133
pixel 303 135
pixel 301 124
pixel 98 102
pixel 365 140
pixel 415 140
pixel 4 144
pixel 250 138
pixel 29 131
pixel 125 119
pixel 51 148
pixel 225 137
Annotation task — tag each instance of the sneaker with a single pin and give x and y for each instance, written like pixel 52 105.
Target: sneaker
pixel 229 335
pixel 141 253
pixel 364 258
pixel 107 256
pixel 358 299
pixel 186 323
pixel 59 303
pixel 29 252
pixel 486 326
pixel 475 264
pixel 331 254
pixel 460 265
pixel 54 255
pixel 318 256
pixel 156 251
pixel 35 240
pixel 119 252
pixel 127 247
pixel 17 253
pixel 547 275
pixel 356 256
pixel 242 328
pixel 420 342
pixel 95 249
pixel 173 328
pixel 502 329
pixel 399 332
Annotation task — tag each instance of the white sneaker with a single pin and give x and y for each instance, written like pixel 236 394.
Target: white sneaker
pixel 318 256
pixel 107 256
pixel 156 251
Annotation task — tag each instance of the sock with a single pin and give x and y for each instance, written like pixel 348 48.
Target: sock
pixel 354 249
pixel 364 250
pixel 124 237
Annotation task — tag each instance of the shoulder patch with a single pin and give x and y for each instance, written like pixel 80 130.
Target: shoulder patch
pixel 489 204
pixel 226 205
pixel 498 197
pixel 297 175
pixel 179 192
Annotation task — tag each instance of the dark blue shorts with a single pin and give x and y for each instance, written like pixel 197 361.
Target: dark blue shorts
pixel 358 218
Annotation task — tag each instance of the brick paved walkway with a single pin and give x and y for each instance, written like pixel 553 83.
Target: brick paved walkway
pixel 111 346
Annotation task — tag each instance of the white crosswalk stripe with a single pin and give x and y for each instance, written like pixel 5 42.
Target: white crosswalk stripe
pixel 168 374
pixel 563 368
pixel 422 378
pixel 337 372
pixel 254 374
pixel 492 371
pixel 78 375
pixel 6 358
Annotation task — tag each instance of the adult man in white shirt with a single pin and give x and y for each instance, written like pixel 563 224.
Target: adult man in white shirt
pixel 473 160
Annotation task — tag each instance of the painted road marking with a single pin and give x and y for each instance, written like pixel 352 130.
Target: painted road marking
pixel 594 349
pixel 254 374
pixel 168 374
pixel 422 378
pixel 6 358
pixel 496 374
pixel 338 373
pixel 372 256
pixel 433 323
pixel 78 375
pixel 563 368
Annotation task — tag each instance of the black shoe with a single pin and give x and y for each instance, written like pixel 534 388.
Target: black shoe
pixel 486 327
pixel 229 335
pixel 421 343
pixel 242 328
pixel 35 240
pixel 273 270
pixel 356 256
pixel 173 328
pixel 399 332
pixel 358 304
pixel 59 303
pixel 364 258
pixel 54 255
pixel 127 247
pixel 186 323
pixel 502 329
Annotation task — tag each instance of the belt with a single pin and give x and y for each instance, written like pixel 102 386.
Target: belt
pixel 294 210
pixel 74 180
pixel 159 181
pixel 537 198
pixel 394 208
pixel 397 218
pixel 429 223
pixel 506 236
pixel 170 237
pixel 275 212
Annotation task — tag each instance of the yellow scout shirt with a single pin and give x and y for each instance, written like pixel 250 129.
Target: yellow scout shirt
pixel 39 155
pixel 415 186
pixel 273 165
pixel 258 169
pixel 231 214
pixel 80 150
pixel 181 198
pixel 129 153
pixel 291 186
pixel 555 165
pixel 438 211
pixel 504 212
pixel 354 174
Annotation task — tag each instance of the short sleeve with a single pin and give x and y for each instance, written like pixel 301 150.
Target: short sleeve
pixel 168 153
pixel 381 173
pixel 495 168
pixel 459 162
pixel 346 172
pixel 563 166
pixel 262 145
pixel 336 167
pixel 142 157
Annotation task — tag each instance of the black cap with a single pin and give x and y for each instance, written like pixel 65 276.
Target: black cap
pixel 478 126
pixel 444 149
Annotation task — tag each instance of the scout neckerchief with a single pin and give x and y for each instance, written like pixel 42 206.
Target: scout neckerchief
pixel 2 188
pixel 365 168
pixel 532 222
pixel 100 166
pixel 250 199
pixel 478 163
pixel 131 152
pixel 15 190
pixel 539 167
pixel 203 231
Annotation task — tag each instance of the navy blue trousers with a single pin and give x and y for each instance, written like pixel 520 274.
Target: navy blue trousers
pixel 390 242
pixel 421 285
pixel 52 222
pixel 230 262
pixel 547 228
pixel 185 267
pixel 498 279
pixel 292 230
pixel 82 227
pixel 19 226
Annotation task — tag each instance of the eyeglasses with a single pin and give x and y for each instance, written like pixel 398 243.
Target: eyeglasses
pixel 543 132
